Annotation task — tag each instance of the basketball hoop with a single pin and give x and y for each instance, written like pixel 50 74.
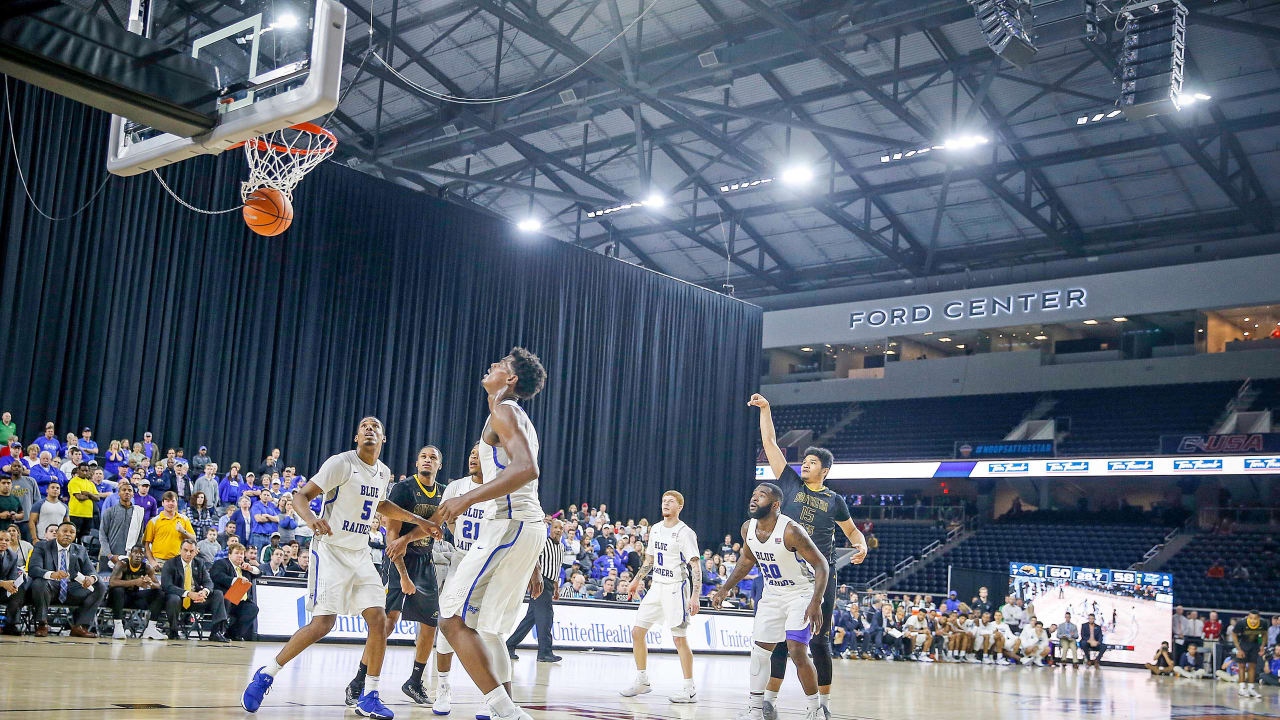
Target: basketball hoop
pixel 280 159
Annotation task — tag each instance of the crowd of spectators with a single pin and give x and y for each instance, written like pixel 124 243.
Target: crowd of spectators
pixel 1210 647
pixel 136 526
pixel 601 555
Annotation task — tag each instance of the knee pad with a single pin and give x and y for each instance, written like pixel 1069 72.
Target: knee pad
pixel 759 667
pixel 820 648
pixel 778 661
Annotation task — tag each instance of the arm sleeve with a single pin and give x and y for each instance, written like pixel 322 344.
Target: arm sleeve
pixel 331 475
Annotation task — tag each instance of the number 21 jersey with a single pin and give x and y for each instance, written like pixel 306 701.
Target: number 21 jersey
pixel 352 491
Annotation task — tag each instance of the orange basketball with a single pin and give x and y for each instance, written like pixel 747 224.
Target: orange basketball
pixel 267 211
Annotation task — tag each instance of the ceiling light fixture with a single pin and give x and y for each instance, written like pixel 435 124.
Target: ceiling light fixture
pixel 1096 117
pixel 529 225
pixel 806 349
pixel 1090 322
pixel 944 339
pixel 1042 337
pixel 1120 318
pixel 797 175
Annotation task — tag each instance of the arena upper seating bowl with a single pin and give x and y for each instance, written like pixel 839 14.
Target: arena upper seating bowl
pixel 1193 589
pixel 1098 422
pixel 994 546
pixel 897 542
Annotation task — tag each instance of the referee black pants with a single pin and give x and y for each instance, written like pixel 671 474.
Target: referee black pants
pixel 541 614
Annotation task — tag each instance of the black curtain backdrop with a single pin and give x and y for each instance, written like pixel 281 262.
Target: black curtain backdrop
pixel 139 314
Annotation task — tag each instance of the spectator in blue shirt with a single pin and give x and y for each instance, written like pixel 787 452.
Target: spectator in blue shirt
pixel 229 491
pixel 44 472
pixel 266 521
pixel 951 603
pixel 49 442
pixel 605 563
pixel 149 448
pixel 88 446
pixel 1272 676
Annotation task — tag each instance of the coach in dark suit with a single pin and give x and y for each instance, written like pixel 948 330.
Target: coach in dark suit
pixel 240 617
pixel 13 584
pixel 1091 641
pixel 187 585
pixel 61 572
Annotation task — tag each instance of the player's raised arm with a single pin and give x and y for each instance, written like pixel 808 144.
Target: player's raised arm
pixel 768 436
pixel 795 539
pixel 521 468
pixel 746 561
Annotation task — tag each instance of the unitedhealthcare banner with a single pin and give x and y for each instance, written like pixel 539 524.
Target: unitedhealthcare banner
pixel 282 610
pixel 1092 467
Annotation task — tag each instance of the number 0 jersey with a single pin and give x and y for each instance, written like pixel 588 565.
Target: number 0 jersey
pixel 466 528
pixel 671 548
pixel 522 504
pixel 352 491
pixel 783 570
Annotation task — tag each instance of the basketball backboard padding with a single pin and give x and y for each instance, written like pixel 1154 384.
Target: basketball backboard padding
pixel 301 91
pixel 100 64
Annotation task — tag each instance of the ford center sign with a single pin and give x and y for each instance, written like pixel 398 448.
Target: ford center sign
pixel 1017 306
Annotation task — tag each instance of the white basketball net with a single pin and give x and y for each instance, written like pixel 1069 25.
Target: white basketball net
pixel 280 159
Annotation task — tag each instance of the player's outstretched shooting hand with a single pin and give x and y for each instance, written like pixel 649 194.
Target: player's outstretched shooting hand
pixel 757 400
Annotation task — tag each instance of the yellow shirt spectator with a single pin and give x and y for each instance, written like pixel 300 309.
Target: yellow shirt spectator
pixel 162 533
pixel 80 508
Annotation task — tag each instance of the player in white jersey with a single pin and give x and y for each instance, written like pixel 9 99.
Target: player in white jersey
pixel 673 557
pixel 480 601
pixel 466 531
pixel 342 579
pixel 790 608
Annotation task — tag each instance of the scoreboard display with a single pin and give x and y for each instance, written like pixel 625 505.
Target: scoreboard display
pixel 1133 607
pixel 1093 575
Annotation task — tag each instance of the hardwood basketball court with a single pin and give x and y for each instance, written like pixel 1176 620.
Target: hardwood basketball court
pixel 65 678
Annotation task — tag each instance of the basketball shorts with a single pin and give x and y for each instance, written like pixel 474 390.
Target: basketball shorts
pixel 424 605
pixel 667 604
pixel 780 617
pixel 490 582
pixel 342 581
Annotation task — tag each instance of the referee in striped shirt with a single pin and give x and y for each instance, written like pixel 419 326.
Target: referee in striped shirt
pixel 541 613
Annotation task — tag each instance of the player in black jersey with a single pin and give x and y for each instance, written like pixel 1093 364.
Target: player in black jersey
pixel 820 511
pixel 411 580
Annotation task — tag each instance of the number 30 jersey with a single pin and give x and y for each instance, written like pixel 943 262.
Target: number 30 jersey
pixel 352 491
pixel 672 548
pixel 783 570
pixel 466 528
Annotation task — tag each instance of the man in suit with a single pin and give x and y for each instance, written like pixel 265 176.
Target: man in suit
pixel 224 572
pixel 1091 641
pixel 61 572
pixel 13 584
pixel 188 586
